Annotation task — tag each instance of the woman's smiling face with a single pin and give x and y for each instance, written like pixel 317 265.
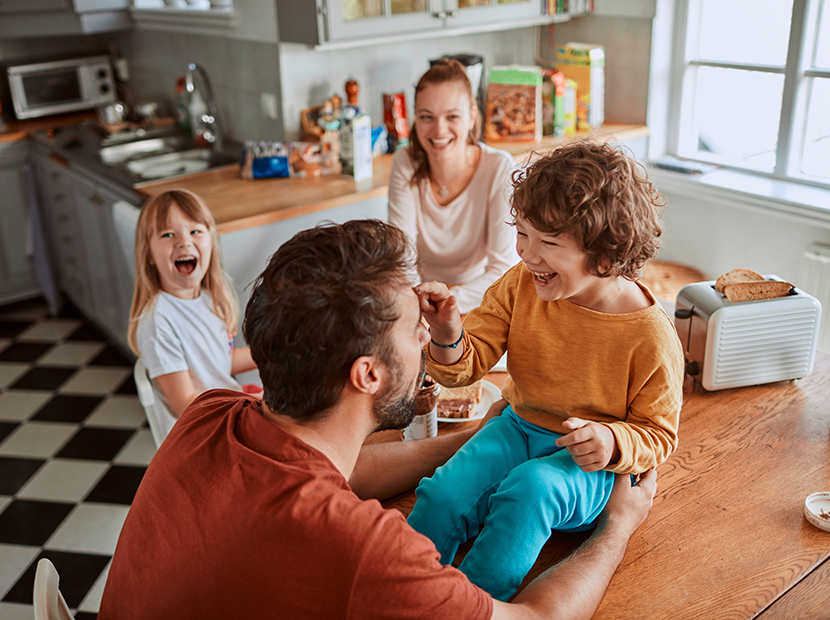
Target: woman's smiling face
pixel 444 116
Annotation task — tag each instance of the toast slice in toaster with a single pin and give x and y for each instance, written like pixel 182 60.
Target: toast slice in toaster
pixel 753 291
pixel 735 276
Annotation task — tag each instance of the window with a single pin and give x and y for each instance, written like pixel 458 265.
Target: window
pixel 754 86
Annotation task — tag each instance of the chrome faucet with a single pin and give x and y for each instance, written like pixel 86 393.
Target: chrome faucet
pixel 208 125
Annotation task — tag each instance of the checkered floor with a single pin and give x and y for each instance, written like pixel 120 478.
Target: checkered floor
pixel 73 448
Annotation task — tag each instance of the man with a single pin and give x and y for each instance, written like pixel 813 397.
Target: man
pixel 257 509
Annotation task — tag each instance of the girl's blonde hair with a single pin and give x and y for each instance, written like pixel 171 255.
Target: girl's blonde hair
pixel 153 218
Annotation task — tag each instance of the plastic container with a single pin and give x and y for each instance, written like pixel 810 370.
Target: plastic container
pixel 182 112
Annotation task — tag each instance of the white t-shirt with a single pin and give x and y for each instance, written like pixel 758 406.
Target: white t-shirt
pixel 185 334
pixel 467 242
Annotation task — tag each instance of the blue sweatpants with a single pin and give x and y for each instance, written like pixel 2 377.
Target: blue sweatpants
pixel 511 478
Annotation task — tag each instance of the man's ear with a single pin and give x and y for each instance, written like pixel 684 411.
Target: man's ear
pixel 367 374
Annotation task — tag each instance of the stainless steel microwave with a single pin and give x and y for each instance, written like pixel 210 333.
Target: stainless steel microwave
pixel 61 86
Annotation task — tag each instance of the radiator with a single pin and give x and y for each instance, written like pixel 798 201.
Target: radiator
pixel 815 280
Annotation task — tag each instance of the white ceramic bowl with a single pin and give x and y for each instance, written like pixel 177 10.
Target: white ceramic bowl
pixel 815 506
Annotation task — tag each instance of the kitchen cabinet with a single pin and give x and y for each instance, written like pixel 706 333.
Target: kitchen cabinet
pixel 39 18
pixel 17 275
pixel 91 268
pixel 342 23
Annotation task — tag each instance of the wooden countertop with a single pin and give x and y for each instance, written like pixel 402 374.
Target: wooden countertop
pixel 15 131
pixel 238 204
pixel 727 537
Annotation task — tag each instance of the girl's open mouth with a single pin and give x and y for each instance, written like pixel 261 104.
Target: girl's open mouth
pixel 186 265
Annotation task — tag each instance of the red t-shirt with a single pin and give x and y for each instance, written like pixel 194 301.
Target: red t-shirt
pixel 236 518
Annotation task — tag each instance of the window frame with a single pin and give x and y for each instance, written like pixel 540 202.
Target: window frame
pixel 798 79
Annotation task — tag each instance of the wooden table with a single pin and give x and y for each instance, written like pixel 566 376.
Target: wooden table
pixel 726 537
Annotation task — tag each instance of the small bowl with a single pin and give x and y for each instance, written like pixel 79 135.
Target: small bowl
pixel 815 505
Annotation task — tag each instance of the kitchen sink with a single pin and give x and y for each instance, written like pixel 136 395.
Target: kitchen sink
pixel 163 157
pixel 161 166
pixel 121 153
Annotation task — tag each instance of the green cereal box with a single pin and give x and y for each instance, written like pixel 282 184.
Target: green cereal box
pixel 584 63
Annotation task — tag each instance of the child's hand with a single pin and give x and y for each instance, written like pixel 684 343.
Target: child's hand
pixel 440 311
pixel 591 445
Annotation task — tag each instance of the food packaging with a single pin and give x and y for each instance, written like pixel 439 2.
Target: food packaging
pixel 569 108
pixel 553 102
pixel 584 63
pixel 425 422
pixel 356 146
pixel 265 160
pixel 394 117
pixel 275 160
pixel 514 104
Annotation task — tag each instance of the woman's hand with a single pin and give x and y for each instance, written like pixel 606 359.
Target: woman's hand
pixel 591 445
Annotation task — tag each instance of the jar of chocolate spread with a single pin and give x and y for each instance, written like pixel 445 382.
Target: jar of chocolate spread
pixel 425 423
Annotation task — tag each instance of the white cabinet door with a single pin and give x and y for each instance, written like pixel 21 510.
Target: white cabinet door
pixel 365 19
pixel 17 275
pixel 461 13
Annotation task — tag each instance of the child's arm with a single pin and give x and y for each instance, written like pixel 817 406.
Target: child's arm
pixel 242 360
pixel 441 312
pixel 178 389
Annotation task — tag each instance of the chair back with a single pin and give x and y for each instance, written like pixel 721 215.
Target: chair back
pixel 48 600
pixel 148 399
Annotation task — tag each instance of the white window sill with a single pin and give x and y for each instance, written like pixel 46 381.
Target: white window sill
pixel 804 203
pixel 192 21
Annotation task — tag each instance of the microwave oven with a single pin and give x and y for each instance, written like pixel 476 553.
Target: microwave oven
pixel 56 87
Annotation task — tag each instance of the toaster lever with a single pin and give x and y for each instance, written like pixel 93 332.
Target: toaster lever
pixel 693 368
pixel 683 313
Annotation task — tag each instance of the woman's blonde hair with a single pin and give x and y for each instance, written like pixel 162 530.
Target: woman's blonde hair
pixel 443 71
pixel 153 218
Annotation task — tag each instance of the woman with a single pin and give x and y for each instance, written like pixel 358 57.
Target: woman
pixel 450 193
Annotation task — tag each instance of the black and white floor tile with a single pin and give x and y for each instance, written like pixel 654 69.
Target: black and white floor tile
pixel 74 446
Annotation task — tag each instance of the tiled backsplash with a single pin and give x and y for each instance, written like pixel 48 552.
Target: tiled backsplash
pixel 239 71
pixel 309 77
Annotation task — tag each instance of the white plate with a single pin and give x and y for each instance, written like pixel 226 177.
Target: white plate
pixel 489 394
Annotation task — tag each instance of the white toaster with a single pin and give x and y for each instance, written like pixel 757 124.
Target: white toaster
pixel 733 344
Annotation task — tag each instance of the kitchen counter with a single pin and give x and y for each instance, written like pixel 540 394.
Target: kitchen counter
pixel 238 204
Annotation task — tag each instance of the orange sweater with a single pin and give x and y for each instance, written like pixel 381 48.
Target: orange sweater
pixel 621 370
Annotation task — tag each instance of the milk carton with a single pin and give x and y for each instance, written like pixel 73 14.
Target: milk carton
pixel 584 63
pixel 356 146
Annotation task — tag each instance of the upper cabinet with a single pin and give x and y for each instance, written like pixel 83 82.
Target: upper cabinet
pixel 38 18
pixel 329 24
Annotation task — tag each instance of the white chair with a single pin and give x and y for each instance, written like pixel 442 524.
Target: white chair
pixel 48 600
pixel 148 400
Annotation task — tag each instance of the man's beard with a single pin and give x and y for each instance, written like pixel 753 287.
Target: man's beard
pixel 396 413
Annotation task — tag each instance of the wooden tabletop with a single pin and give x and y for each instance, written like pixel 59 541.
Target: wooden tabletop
pixel 237 203
pixel 726 537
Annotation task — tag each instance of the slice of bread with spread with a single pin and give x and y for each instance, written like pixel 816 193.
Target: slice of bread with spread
pixel 753 291
pixel 459 402
pixel 735 276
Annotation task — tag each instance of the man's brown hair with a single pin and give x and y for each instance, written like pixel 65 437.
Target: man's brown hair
pixel 327 297
pixel 601 196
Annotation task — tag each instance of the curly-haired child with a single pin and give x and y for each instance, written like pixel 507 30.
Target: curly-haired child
pixel 596 368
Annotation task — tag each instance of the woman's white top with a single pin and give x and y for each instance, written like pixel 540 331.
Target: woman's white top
pixel 177 335
pixel 467 242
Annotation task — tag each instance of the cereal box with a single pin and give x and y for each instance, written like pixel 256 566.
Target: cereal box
pixel 584 63
pixel 514 104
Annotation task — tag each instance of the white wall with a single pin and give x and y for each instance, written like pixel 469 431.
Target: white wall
pixel 310 77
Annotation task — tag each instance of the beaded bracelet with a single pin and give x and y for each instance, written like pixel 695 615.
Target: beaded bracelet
pixel 449 346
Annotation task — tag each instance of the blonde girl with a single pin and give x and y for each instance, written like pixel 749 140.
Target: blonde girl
pixel 184 312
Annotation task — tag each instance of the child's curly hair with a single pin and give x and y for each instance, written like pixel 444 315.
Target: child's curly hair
pixel 600 195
